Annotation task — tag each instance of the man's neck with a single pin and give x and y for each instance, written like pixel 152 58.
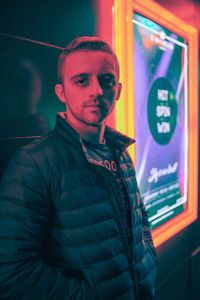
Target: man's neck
pixel 91 133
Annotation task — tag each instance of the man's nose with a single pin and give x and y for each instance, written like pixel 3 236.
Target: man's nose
pixel 96 89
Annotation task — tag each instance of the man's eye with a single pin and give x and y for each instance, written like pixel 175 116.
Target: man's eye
pixel 107 82
pixel 82 81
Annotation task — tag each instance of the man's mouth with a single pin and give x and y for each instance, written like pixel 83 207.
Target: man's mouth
pixel 97 105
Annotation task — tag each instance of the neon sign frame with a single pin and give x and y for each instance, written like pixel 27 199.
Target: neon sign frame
pixel 116 26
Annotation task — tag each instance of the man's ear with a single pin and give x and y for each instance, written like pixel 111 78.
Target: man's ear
pixel 59 90
pixel 118 91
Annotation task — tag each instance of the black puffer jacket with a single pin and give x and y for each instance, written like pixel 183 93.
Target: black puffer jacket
pixel 61 234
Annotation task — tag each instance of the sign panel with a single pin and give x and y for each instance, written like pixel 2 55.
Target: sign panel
pixel 158 107
pixel 161 118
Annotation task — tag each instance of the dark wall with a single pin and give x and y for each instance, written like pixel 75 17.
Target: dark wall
pixel 31 35
pixel 53 22
pixel 178 266
pixel 49 22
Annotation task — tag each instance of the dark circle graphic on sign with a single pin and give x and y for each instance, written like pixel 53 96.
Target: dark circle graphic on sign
pixel 162 111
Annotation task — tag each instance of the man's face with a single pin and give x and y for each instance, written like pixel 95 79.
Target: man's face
pixel 90 86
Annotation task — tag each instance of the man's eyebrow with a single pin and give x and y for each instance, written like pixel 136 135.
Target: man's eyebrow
pixel 108 74
pixel 80 75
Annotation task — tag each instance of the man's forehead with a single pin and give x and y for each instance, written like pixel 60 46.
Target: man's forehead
pixel 88 59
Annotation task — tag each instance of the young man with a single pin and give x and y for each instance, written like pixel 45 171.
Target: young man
pixel 73 225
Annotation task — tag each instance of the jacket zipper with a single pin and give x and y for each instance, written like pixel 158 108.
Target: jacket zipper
pixel 124 237
pixel 133 269
pixel 133 272
pixel 118 216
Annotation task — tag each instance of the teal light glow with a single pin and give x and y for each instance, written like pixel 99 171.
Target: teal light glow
pixel 148 23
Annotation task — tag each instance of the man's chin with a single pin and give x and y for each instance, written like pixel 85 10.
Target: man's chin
pixel 95 121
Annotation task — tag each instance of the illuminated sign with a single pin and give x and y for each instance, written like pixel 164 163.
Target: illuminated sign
pixel 161 97
pixel 158 55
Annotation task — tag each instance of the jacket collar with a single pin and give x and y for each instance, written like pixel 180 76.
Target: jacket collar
pixel 114 138
pixel 117 140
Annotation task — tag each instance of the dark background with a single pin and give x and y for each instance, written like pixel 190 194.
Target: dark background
pixel 49 22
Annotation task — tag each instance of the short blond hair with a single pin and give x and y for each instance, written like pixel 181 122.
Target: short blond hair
pixel 90 43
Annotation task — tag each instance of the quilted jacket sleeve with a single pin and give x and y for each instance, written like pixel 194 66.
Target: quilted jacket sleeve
pixel 23 229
